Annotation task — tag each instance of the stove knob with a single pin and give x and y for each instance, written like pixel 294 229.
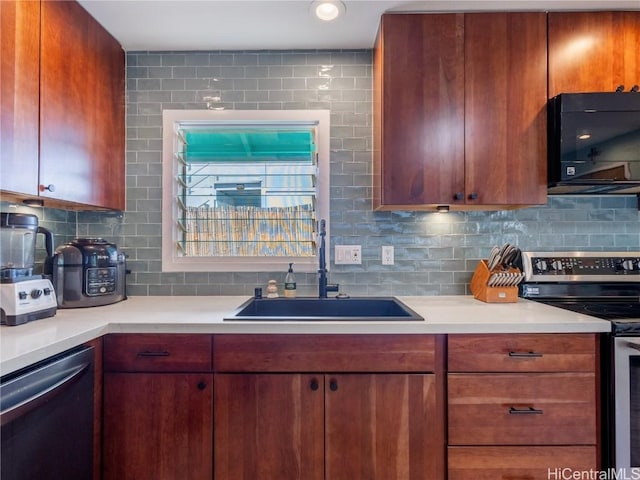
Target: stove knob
pixel 540 266
pixel 22 295
pixel 556 265
pixel 627 265
pixel 35 294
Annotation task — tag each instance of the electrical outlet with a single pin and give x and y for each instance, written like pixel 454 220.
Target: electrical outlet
pixel 348 255
pixel 387 255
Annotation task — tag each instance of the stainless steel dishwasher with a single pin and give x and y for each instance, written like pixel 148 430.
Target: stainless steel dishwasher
pixel 46 419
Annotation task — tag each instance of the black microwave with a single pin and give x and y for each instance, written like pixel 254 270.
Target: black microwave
pixel 594 143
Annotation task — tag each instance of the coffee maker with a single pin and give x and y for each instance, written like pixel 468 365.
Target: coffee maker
pixel 24 296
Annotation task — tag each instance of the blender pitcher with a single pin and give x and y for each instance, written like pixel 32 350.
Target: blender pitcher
pixel 18 233
pixel 23 296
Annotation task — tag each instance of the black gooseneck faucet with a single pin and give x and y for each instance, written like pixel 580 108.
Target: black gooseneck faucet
pixel 323 286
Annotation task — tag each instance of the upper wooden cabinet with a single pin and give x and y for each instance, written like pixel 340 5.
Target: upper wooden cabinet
pixel 459 111
pixel 81 133
pixel 593 51
pixel 418 110
pixel 19 87
pixel 505 130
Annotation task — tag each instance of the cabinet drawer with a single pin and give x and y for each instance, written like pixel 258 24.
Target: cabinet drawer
pixel 325 353
pixel 519 463
pixel 522 353
pixel 522 409
pixel 157 353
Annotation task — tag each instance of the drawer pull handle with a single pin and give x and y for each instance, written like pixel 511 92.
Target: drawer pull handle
pixel 153 354
pixel 525 411
pixel 525 354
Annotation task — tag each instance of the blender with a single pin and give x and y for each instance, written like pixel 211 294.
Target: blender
pixel 24 296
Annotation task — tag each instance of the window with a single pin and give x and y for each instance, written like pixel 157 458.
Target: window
pixel 243 190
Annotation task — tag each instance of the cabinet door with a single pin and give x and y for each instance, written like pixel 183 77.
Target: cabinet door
pixel 382 426
pixel 269 426
pixel 81 109
pixel 593 51
pixel 19 88
pixel 505 108
pixel 158 426
pixel 418 111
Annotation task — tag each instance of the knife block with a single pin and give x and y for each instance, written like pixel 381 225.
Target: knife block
pixel 485 293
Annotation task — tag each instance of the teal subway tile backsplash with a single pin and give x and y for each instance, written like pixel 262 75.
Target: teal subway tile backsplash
pixel 435 254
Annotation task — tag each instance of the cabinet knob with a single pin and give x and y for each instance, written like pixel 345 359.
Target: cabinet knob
pixel 202 385
pixel 458 196
pixel 314 385
pixel 49 188
pixel 473 196
pixel 333 385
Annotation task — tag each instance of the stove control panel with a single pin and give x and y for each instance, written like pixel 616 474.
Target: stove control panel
pixel 581 266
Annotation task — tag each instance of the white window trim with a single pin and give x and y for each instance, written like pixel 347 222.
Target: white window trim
pixel 171 261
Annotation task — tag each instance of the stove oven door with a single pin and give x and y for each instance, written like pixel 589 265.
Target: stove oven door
pixel 627 402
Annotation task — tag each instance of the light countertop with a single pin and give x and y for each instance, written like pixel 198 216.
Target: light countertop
pixel 25 344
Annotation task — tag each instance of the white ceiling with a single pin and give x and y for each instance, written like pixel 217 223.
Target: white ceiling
pixel 280 24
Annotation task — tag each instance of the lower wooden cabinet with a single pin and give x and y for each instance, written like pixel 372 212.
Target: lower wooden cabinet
pixel 158 426
pixel 522 407
pixel 333 426
pixel 158 407
pixel 268 426
pixel 518 463
pixel 349 407
pixel 381 426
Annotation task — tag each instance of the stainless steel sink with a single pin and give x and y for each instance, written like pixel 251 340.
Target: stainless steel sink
pixel 382 309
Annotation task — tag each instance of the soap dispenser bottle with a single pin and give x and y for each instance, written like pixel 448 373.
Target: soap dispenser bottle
pixel 290 283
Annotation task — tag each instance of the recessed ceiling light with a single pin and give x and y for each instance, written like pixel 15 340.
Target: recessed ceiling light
pixel 584 136
pixel 328 10
pixel 442 208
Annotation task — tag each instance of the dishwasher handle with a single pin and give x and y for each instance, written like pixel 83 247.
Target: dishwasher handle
pixel 51 387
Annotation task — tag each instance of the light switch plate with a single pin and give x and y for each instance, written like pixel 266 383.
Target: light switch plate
pixel 387 255
pixel 348 255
